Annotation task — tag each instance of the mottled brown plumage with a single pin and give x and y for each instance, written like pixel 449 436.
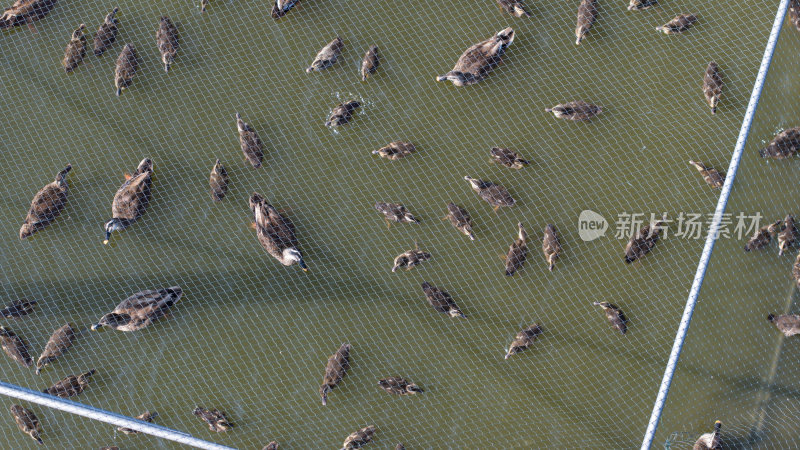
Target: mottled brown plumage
pixel 614 315
pixel 762 237
pixel 398 386
pixel 106 34
pixel 577 110
pixel 46 205
pixel 131 199
pixel 358 439
pixel 679 24
pixel 514 7
pixel 788 236
pixel 370 62
pixel 140 309
pixel 587 14
pixel 712 85
pixel 70 386
pixel 395 150
pixel 551 247
pixel 18 308
pixel 643 241
pixel 214 418
pixel 146 416
pixel 710 441
pixel 167 39
pixel 75 51
pixel 57 345
pixel 15 347
pixel 637 5
pixel 494 194
pixel 441 301
pixel 460 220
pixel 218 182
pixel 27 422
pixel 342 113
pixel 477 61
pixel 409 259
pixel 250 142
pixel 395 212
pixel 125 68
pixel 784 145
pixel 794 13
pixel 335 370
pixel 524 339
pixel 507 157
pixel 713 177
pixel 518 252
pixel 25 12
pixel 275 232
pixel 327 56
pixel 796 271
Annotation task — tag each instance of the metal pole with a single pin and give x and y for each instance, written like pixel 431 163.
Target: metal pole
pixel 744 131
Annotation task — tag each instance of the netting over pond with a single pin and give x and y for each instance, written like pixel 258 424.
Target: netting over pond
pixel 252 337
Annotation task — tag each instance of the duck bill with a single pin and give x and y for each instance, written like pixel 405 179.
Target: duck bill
pixel 97 327
pixel 108 237
pixel 303 265
pixel 324 399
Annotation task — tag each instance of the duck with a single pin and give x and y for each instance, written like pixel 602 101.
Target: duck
pixel 75 51
pixel 524 339
pixel 638 5
pixel 70 386
pixel 507 157
pixel 762 237
pixel 18 308
pixel 794 13
pixel 395 150
pixel 399 386
pixel 678 24
pixel 518 252
pixel 712 85
pixel 614 315
pixel 281 7
pixel 214 418
pixel 327 56
pixel 479 60
pixel 27 422
pixel 460 220
pixel 57 345
pixel 218 181
pixel 146 416
pixel 370 62
pixel 360 438
pixel 273 445
pixel 578 110
pixel 494 194
pixel 15 347
pixel 275 233
pixel 46 205
pixel 125 68
pixel 713 177
pixel 250 142
pixel 551 247
pixel 711 440
pixel 784 145
pixel 643 241
pixel 335 370
pixel 514 7
pixel 167 39
pixel 441 301
pixel 789 324
pixel 587 14
pixel 25 12
pixel 342 113
pixel 140 309
pixel 131 199
pixel 395 212
pixel 788 236
pixel 410 258
pixel 106 34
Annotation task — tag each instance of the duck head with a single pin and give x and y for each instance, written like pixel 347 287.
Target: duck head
pixel 112 320
pixel 292 256
pixel 113 225
pixel 457 78
pixel 77 34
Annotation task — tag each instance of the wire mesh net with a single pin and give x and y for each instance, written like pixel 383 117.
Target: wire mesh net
pixel 252 337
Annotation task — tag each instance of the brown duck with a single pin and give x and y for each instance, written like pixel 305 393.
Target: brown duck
pixel 784 145
pixel 679 24
pixel 335 370
pixel 15 347
pixel 762 237
pixel 395 150
pixel 788 236
pixel 507 157
pixel 281 7
pixel 494 194
pixel 250 142
pixel 517 253
pixel 327 56
pixel 370 62
pixel 57 345
pixel 480 59
pixel 75 51
pixel 712 85
pixel 524 339
pixel 106 34
pixel 614 315
pixel 587 14
pixel 794 13
pixel 460 220
pixel 395 212
pixel 167 39
pixel 441 301
pixel 577 110
pixel 342 113
pixel 25 12
pixel 789 324
pixel 70 386
pixel 131 199
pixel 46 205
pixel 399 386
pixel 514 7
pixel 18 308
pixel 140 309
pixel 643 241
pixel 125 69
pixel 218 182
pixel 551 247
pixel 146 416
pixel 410 258
pixel 710 441
pixel 637 5
pixel 275 232
pixel 360 438
pixel 713 177
pixel 27 422
pixel 214 418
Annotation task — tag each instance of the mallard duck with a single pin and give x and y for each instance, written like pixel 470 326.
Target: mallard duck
pixel 399 386
pixel 796 271
pixel 643 241
pixel 513 7
pixel 71 385
pixel 441 301
pixel 713 177
pixel 57 345
pixel 550 246
pixel 577 110
pixel 250 142
pixel 794 13
pixel 25 12
pixel 477 61
pixel 614 315
pixel 15 347
pixel 327 56
pixel 167 39
pixel 524 339
pixel 342 113
pixel 518 252
pixel 395 212
pixel 788 236
pixel 507 157
pixel 215 419
pixel 218 182
pixel 106 34
pixel 460 220
pixel 712 85
pixel 18 308
pixel 395 150
pixel 146 416
pixel 789 324
pixel 271 446
pixel 762 237
pixel 75 51
pixel 140 309
pixel 679 24
pixel 46 205
pixel 360 438
pixel 125 69
pixel 494 194
pixel 281 7
pixel 587 14
pixel 784 145
pixel 275 232
pixel 370 62
pixel 131 199
pixel 410 258
pixel 709 441
pixel 636 5
pixel 335 370
pixel 27 422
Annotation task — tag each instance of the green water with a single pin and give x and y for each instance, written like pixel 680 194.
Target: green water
pixel 251 336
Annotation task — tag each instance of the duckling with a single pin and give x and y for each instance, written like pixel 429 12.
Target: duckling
pixel 57 345
pixel 712 85
pixel 395 212
pixel 642 242
pixel 550 246
pixel 106 34
pixel 70 386
pixel 46 205
pixel 410 258
pixel 577 110
pixel 167 39
pixel 15 347
pixel 370 62
pixel 494 194
pixel 140 309
pixel 125 69
pixel 327 56
pixel 796 271
pixel 513 7
pixel 794 13
pixel 27 422
pixel 215 419
pixel 342 113
pixel 711 440
pixel 18 308
pixel 517 253
pixel 788 236
pixel 131 199
pixel 360 438
pixel 480 59
pixel 75 51
pixel 146 416
pixel 713 177
pixel 25 12
pixel 275 233
pixel 636 5
pixel 395 150
pixel 281 7
pixel 399 386
pixel 524 339
pixel 441 301
pixel 789 324
pixel 679 24
pixel 218 182
pixel 762 237
pixel 250 142
pixel 460 219
pixel 507 157
pixel 614 315
pixel 587 14
pixel 784 145
pixel 335 370
pixel 271 446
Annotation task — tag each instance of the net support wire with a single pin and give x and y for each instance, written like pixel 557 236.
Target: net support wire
pixel 702 265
